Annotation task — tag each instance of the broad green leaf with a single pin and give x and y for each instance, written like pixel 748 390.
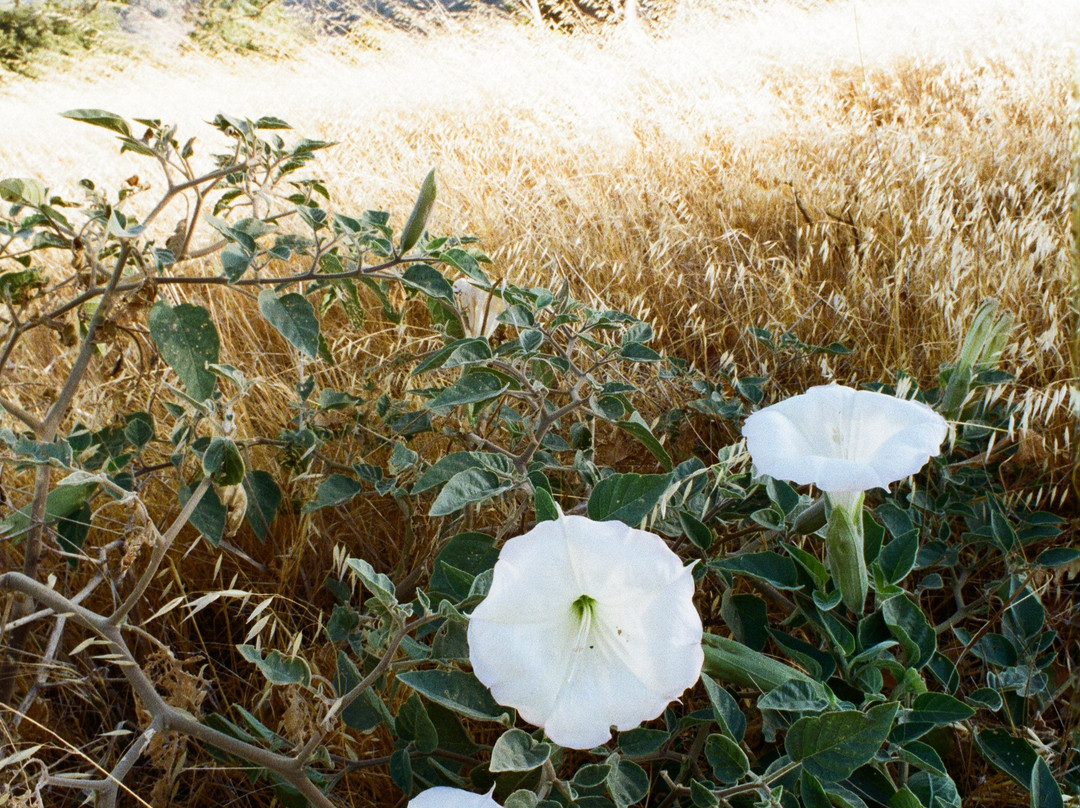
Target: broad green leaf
pixel 414 226
pixel 636 352
pixel 447 466
pixel 922 755
pixel 909 626
pixel 629 498
pixel 99 117
pixel 725 709
pixel 833 745
pixel 278 668
pixel 796 696
pixel 642 741
pixel 430 281
pixel 223 461
pixel 1057 556
pixel 292 316
pixel 60 503
pixel 939 709
pixel 457 354
pixel 458 691
pixel 263 500
pixel 235 259
pixel 1045 792
pixel 23 192
pixel 376 583
pixel 1014 756
pixel 469 553
pixel 637 427
pixel 337 489
pixel 516 751
pixel 544 506
pixel 188 341
pixel 627 782
pixel 469 389
pixel 367 711
pixel 728 760
pixel 209 516
pixel 471 485
pixel 72 530
pixel 412 723
pixel 770 567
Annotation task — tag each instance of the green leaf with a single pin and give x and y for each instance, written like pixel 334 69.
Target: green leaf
pixel 276 667
pixel 1057 556
pixel 939 709
pixel 1014 756
pixel 469 553
pixel 23 192
pixel 469 389
pixel 897 558
pixel 796 696
pixel 209 515
pixel 222 460
pixel 1045 792
pixel 379 585
pixel 292 316
pixel 922 755
pixel 544 506
pixel 337 489
pixel 466 264
pixel 414 226
pixel 987 698
pixel 637 427
pixel 725 709
pixel 629 498
pixel 516 751
pixel 471 485
pixel 60 503
pixel 447 466
pixel 642 741
pixel 627 782
pixel 429 281
pixel 412 723
pixel 768 566
pixel 458 691
pixel 263 500
pixel 457 354
pixel 909 626
pixel 188 341
pixel 99 117
pixel 367 711
pixel 636 352
pixel 235 259
pixel 728 760
pixel 833 745
pixel 72 530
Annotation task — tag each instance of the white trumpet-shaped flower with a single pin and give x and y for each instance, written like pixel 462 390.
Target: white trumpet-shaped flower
pixel 845 442
pixel 478 308
pixel 444 797
pixel 587 625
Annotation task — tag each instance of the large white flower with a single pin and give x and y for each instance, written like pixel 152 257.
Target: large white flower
pixel 842 439
pixel 587 625
pixel 845 442
pixel 444 797
pixel 478 308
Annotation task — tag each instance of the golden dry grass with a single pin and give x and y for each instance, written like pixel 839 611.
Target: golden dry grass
pixel 859 172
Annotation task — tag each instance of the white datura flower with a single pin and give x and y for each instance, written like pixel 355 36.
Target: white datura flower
pixel 444 797
pixel 845 442
pixel 842 439
pixel 478 308
pixel 587 625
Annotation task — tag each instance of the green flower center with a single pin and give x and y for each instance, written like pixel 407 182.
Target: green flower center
pixel 583 607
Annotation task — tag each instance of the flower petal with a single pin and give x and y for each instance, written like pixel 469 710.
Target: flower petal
pixel 577 674
pixel 842 439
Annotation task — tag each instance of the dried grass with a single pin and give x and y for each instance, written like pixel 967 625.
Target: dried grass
pixel 857 172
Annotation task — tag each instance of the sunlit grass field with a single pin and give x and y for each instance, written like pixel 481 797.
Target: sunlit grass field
pixel 856 172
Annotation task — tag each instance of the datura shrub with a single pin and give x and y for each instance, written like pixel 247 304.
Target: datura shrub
pixel 843 610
